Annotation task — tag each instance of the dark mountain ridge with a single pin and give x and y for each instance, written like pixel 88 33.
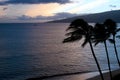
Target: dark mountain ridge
pixel 96 17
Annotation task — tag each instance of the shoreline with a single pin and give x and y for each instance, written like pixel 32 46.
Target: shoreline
pixel 69 76
pixel 78 76
pixel 58 75
pixel 115 73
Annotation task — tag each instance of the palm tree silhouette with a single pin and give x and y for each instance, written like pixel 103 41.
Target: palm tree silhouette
pixel 101 35
pixel 80 29
pixel 112 29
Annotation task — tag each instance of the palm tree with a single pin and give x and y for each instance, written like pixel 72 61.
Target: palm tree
pixel 79 29
pixel 112 29
pixel 101 35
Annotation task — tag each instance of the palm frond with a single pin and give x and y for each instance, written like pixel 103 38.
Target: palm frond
pixel 100 34
pixel 118 36
pixel 110 23
pixel 79 28
pixel 77 32
pixel 72 39
pixel 72 28
pixel 111 26
pixel 78 22
pixel 96 43
pixel 85 42
pixel 118 30
pixel 111 41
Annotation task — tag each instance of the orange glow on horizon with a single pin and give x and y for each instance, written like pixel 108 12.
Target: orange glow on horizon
pixel 42 9
pixel 2 13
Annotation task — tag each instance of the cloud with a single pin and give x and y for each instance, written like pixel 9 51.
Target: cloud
pixel 5 8
pixel 24 17
pixel 47 18
pixel 89 6
pixel 32 1
pixel 42 9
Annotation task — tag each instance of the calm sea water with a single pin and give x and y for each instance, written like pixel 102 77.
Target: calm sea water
pixel 32 50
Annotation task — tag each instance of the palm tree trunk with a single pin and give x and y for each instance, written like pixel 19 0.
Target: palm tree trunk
pixel 116 51
pixel 96 60
pixel 108 59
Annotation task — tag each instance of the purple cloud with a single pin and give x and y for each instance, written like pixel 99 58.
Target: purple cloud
pixel 33 1
pixel 55 17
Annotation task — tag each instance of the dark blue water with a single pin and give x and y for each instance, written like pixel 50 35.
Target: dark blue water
pixel 32 50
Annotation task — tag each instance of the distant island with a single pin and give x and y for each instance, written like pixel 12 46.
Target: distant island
pixel 96 17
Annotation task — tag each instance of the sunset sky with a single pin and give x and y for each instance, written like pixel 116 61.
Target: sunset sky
pixel 45 10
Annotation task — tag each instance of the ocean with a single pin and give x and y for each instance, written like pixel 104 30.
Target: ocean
pixel 35 49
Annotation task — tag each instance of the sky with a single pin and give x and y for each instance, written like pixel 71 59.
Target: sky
pixel 47 10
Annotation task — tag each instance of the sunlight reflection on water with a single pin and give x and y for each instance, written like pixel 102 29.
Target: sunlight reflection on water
pixel 30 51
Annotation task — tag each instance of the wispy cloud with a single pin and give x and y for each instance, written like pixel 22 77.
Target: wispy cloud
pixel 88 6
pixel 56 16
